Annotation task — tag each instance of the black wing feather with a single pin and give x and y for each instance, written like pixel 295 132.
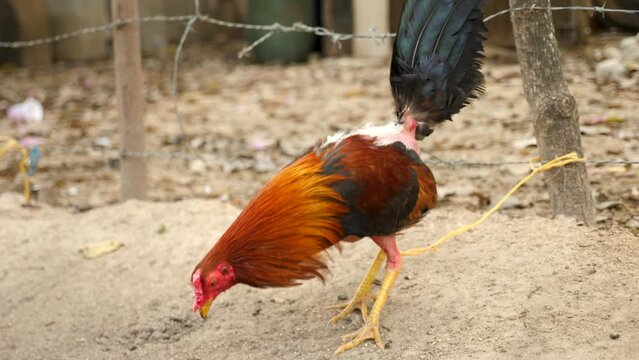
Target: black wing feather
pixel 436 67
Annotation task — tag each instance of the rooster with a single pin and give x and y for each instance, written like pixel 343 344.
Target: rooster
pixel 366 183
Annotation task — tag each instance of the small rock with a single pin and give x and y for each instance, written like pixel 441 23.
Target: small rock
pixel 519 170
pixel 610 69
pixel 197 142
pixel 633 223
pixel 626 134
pixel 594 130
pixel 512 202
pixel 615 149
pixel 103 142
pixel 83 206
pixel 524 143
pixel 615 336
pixel 197 166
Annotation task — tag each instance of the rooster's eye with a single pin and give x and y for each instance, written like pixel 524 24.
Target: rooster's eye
pixel 212 283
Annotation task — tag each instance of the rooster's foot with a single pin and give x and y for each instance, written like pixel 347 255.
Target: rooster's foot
pixel 363 294
pixel 370 331
pixel 358 302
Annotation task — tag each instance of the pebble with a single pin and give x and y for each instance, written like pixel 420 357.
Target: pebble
pixel 197 166
pixel 633 223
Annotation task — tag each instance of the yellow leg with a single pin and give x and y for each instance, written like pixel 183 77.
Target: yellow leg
pixel 370 330
pixel 362 295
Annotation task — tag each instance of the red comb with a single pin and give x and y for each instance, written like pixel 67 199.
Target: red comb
pixel 198 292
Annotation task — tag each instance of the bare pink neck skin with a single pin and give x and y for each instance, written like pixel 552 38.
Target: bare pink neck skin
pixel 407 135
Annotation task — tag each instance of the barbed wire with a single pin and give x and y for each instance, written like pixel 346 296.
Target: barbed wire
pixel 463 163
pixel 428 158
pixel 602 10
pixel 270 30
pixel 277 27
pixel 92 30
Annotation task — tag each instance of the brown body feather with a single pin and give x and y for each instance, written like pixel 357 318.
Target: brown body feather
pixel 318 200
pixel 280 235
pixel 387 187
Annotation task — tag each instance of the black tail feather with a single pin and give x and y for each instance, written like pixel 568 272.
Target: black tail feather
pixel 436 63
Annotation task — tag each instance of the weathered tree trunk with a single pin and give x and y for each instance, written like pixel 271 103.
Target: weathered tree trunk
pixel 553 109
pixel 130 98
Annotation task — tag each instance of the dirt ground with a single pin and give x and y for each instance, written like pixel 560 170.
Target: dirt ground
pixel 515 288
pixel 520 286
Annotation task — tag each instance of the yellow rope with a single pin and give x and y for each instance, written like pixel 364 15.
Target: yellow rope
pixel 558 162
pixel 11 144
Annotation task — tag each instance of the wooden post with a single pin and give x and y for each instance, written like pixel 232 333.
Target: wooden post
pixel 337 15
pixel 34 23
pixel 130 99
pixel 368 14
pixel 553 109
pixel 71 15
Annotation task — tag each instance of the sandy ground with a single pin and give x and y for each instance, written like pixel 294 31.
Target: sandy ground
pixel 514 288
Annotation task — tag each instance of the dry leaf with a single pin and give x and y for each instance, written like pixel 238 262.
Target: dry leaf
pixel 96 250
pixel 607 204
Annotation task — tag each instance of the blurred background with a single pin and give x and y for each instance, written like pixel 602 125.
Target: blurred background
pixel 248 117
pixel 26 19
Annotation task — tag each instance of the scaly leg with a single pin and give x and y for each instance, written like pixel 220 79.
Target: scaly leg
pixel 370 330
pixel 362 295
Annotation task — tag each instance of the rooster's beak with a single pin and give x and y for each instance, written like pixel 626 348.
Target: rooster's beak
pixel 204 310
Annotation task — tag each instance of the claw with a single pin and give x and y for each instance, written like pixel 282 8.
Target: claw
pixel 370 331
pixel 357 303
pixel 338 306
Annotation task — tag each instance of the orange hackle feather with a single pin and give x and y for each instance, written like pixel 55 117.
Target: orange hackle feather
pixel 280 237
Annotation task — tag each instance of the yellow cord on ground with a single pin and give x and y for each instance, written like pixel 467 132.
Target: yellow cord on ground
pixel 558 162
pixel 11 144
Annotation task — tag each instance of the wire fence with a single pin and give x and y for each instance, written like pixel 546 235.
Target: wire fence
pixel 428 158
pixel 271 29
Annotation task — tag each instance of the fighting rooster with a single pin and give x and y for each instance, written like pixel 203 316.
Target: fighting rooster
pixel 364 183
